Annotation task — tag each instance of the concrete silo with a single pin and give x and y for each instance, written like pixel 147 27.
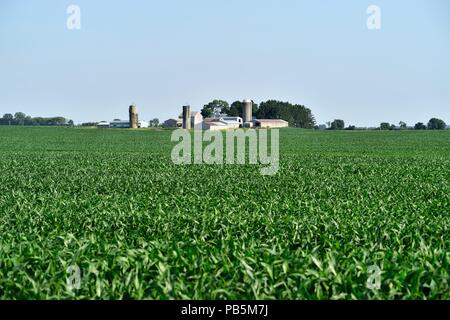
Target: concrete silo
pixel 248 113
pixel 187 117
pixel 134 121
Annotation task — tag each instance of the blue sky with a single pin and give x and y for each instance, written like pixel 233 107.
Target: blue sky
pixel 161 55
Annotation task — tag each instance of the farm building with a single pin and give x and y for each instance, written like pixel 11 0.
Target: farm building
pixel 224 122
pixel 232 122
pixel 143 124
pixel 196 120
pixel 214 124
pixel 117 123
pixel 103 124
pixel 173 123
pixel 271 123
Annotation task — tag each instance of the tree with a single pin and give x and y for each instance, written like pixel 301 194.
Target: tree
pixel 8 117
pixel 296 115
pixel 385 126
pixel 350 128
pixel 70 123
pixel 420 126
pixel 436 124
pixel 20 117
pixel 215 108
pixel 402 125
pixel 29 121
pixel 237 109
pixel 154 122
pixel 337 124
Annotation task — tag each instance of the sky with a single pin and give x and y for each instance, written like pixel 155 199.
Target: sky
pixel 163 54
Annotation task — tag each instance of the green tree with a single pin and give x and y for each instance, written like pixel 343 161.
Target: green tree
pixel 154 122
pixel 402 125
pixel 436 124
pixel 296 115
pixel 29 121
pixel 19 117
pixel 420 126
pixel 214 108
pixel 8 117
pixel 385 126
pixel 237 109
pixel 337 124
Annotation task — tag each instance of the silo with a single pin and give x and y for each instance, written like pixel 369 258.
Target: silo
pixel 248 106
pixel 134 121
pixel 187 117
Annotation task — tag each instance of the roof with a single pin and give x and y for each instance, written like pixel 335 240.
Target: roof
pixel 217 123
pixel 271 120
pixel 226 118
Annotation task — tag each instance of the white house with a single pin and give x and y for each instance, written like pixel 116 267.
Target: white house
pixel 143 124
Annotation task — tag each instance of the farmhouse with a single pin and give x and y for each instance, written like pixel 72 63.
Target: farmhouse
pixel 143 124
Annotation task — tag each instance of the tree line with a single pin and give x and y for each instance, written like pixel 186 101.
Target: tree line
pixel 21 119
pixel 433 124
pixel 295 114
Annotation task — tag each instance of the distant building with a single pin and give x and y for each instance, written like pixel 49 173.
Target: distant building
pixel 103 124
pixel 120 124
pixel 214 124
pixel 173 123
pixel 196 120
pixel 232 122
pixel 271 123
pixel 143 124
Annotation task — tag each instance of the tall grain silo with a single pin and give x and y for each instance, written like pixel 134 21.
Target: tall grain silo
pixel 187 117
pixel 248 106
pixel 134 120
